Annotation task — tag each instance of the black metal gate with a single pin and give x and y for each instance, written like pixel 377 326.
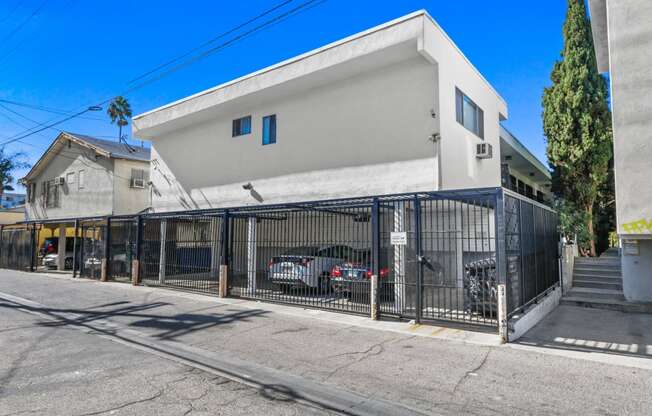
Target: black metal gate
pixel 92 249
pixel 18 247
pixel 122 249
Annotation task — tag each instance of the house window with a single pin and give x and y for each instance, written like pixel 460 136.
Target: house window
pixel 513 185
pixel 540 197
pixel 137 178
pixel 241 126
pixel 529 192
pixel 70 178
pixel 51 193
pixel 521 187
pixel 469 114
pixel 269 129
pixel 82 177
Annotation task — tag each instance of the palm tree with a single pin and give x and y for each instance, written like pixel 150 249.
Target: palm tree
pixel 8 164
pixel 120 111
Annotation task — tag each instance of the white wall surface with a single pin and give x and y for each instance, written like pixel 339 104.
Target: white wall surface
pixel 637 273
pixel 354 129
pixel 95 198
pixel 128 200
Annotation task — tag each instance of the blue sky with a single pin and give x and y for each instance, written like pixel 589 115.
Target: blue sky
pixel 75 53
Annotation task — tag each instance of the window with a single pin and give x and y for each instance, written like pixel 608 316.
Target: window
pixel 82 176
pixel 70 178
pixel 521 187
pixel 513 184
pixel 269 129
pixel 469 114
pixel 31 192
pixel 529 192
pixel 242 126
pixel 51 193
pixel 137 178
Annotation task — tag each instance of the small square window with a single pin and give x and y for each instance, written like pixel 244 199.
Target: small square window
pixel 241 126
pixel 269 129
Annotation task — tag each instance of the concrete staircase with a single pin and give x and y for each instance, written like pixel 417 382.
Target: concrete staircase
pixel 598 283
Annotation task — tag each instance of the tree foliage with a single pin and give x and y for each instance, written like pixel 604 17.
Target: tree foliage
pixel 9 162
pixel 577 120
pixel 120 112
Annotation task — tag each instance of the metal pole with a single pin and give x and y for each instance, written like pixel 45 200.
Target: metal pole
pixel 2 252
pixel 81 252
pixel 74 250
pixel 501 265
pixel 135 263
pixel 375 258
pixel 106 264
pixel 417 233
pixel 223 286
pixel 32 251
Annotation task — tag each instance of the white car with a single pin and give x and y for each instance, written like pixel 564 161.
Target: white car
pixel 307 266
pixel 51 261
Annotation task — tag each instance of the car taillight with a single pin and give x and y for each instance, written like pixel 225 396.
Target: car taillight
pixel 384 272
pixel 336 272
pixel 271 263
pixel 368 274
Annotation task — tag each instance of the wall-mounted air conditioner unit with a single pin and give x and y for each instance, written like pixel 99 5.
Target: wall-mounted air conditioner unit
pixel 137 183
pixel 484 151
pixel 60 181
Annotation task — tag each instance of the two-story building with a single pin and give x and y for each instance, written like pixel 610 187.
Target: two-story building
pixel 397 108
pixel 622 33
pixel 80 176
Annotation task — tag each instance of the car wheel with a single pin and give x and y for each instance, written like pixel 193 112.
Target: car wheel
pixel 67 264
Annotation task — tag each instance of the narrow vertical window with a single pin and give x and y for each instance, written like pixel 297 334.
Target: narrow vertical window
pixel 468 114
pixel 80 182
pixel 269 129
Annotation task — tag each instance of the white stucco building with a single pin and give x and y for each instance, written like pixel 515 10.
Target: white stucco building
pixel 397 108
pixel 81 176
pixel 622 32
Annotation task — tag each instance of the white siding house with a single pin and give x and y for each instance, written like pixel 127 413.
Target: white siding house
pixel 82 176
pixel 397 108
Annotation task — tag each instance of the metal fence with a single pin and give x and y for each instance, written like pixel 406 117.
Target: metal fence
pixel 436 255
pixel 18 248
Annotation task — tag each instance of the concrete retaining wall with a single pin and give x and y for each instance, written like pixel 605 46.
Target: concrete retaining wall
pixel 522 323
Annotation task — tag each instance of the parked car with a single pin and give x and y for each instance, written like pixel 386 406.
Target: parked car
pixel 51 261
pixel 352 278
pixel 481 290
pixel 308 266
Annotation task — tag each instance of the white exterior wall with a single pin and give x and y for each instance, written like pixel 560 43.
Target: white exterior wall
pixel 95 199
pixel 624 34
pixel 128 200
pixel 460 169
pixel 352 120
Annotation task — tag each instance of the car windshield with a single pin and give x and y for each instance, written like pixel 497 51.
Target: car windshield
pixel 302 251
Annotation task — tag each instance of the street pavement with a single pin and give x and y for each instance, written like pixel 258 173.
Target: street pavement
pixel 83 347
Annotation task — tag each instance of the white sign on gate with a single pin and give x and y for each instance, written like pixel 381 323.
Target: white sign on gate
pixel 398 238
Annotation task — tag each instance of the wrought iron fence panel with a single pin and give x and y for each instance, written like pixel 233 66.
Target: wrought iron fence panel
pixel 18 248
pixel 93 249
pixel 122 249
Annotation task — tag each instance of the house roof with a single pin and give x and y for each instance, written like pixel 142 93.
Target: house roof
pixel 402 29
pixel 106 148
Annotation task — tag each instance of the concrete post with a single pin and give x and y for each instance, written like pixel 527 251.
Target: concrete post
pixel 162 253
pixel 223 284
pixel 135 272
pixel 251 256
pixel 103 270
pixel 135 263
pixel 375 307
pixel 399 259
pixel 502 313
pixel 61 255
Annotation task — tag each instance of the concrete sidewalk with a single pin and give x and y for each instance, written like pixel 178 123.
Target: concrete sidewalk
pixel 351 354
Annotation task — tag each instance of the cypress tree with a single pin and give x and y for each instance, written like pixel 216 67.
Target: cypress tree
pixel 577 119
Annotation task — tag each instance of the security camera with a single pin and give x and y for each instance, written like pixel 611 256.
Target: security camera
pixel 248 186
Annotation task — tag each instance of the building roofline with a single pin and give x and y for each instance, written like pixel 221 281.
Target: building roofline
pixel 516 144
pixel 313 52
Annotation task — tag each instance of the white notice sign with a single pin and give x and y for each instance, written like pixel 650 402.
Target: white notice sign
pixel 398 238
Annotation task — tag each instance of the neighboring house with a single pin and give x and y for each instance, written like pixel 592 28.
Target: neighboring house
pixel 10 200
pixel 397 108
pixel 12 215
pixel 622 33
pixel 82 176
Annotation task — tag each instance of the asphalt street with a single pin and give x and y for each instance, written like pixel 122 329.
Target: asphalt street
pixel 75 350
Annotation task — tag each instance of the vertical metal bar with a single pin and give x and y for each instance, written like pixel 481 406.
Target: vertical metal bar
pixel 375 258
pixel 135 266
pixel 501 265
pixel 74 250
pixel 2 249
pixel 32 251
pixel 417 234
pixel 107 249
pixel 223 285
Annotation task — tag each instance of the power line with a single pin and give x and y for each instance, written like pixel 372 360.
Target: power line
pixel 226 44
pixel 277 19
pixel 47 109
pixel 208 42
pixel 24 22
